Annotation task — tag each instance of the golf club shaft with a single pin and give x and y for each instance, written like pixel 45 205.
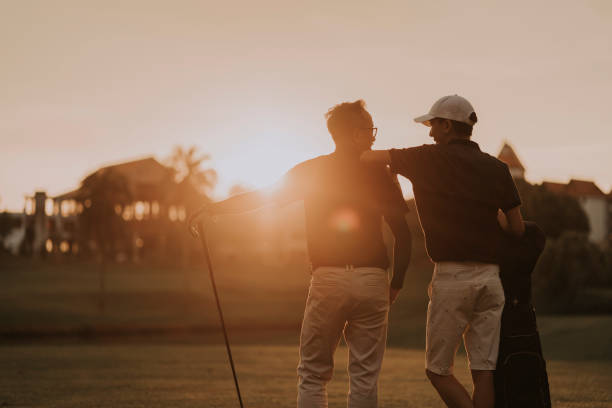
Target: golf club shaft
pixel 214 286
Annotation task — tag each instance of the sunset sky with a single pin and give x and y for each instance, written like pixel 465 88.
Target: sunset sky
pixel 88 83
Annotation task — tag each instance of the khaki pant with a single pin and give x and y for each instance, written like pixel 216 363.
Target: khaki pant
pixel 353 301
pixel 466 299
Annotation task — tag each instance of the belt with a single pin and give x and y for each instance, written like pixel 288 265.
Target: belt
pixel 347 267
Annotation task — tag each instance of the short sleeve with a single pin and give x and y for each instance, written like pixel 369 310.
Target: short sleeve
pixel 294 185
pixel 409 162
pixel 510 197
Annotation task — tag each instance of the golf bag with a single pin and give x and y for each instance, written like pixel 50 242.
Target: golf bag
pixel 520 379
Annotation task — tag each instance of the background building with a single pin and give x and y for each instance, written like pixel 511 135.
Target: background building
pixel 594 202
pixel 128 211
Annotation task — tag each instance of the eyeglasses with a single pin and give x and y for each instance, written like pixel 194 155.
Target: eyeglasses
pixel 374 131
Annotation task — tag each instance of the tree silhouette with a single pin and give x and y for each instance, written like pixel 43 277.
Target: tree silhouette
pixel 186 164
pixel 554 213
pixel 568 265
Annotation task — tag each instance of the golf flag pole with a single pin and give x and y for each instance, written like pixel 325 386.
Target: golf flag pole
pixel 202 236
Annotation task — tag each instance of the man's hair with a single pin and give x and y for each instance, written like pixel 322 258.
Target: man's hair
pixel 463 129
pixel 342 117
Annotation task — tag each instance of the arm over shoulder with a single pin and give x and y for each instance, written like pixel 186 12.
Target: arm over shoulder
pixel 409 162
pixel 375 157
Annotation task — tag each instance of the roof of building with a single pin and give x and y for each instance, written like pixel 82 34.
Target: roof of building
pixel 558 188
pixel 74 194
pixel 581 188
pixel 508 156
pixel 575 188
pixel 147 171
pixel 144 176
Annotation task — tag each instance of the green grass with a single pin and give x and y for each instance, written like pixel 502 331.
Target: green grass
pixel 156 342
pixel 56 298
pixel 192 375
pixel 64 296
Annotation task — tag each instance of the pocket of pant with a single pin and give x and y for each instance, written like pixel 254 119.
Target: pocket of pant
pixel 491 296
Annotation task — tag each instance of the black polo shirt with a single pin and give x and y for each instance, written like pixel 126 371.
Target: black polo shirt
pixel 458 190
pixel 344 202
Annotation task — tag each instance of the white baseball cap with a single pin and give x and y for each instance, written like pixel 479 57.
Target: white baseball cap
pixel 453 107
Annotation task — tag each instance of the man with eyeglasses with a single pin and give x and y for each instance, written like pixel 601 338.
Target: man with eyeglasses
pixel 465 198
pixel 345 202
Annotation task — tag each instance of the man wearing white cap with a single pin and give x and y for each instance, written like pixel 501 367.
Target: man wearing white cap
pixel 465 199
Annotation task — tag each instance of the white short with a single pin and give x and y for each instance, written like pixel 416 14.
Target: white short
pixel 466 299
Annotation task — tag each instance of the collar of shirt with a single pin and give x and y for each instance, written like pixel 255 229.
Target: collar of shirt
pixel 465 142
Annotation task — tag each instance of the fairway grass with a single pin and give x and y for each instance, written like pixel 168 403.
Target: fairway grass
pixel 47 300
pixel 156 342
pixel 183 375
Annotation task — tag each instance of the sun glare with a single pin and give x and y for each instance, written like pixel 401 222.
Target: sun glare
pixel 259 166
pixel 345 220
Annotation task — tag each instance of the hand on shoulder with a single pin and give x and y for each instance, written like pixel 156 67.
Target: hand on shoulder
pixel 375 157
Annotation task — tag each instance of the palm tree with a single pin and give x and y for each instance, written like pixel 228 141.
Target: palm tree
pixel 186 164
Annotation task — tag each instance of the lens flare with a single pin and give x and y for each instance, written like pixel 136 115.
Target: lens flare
pixel 345 220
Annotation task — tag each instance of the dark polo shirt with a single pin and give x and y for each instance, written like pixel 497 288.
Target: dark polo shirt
pixel 458 190
pixel 344 202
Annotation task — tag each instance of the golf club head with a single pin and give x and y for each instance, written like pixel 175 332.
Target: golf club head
pixel 195 222
pixel 196 226
pixel 194 230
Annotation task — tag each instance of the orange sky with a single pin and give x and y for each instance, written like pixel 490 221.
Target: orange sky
pixel 88 83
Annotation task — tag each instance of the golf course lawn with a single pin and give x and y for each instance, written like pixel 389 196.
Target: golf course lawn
pixel 142 374
pixel 151 338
